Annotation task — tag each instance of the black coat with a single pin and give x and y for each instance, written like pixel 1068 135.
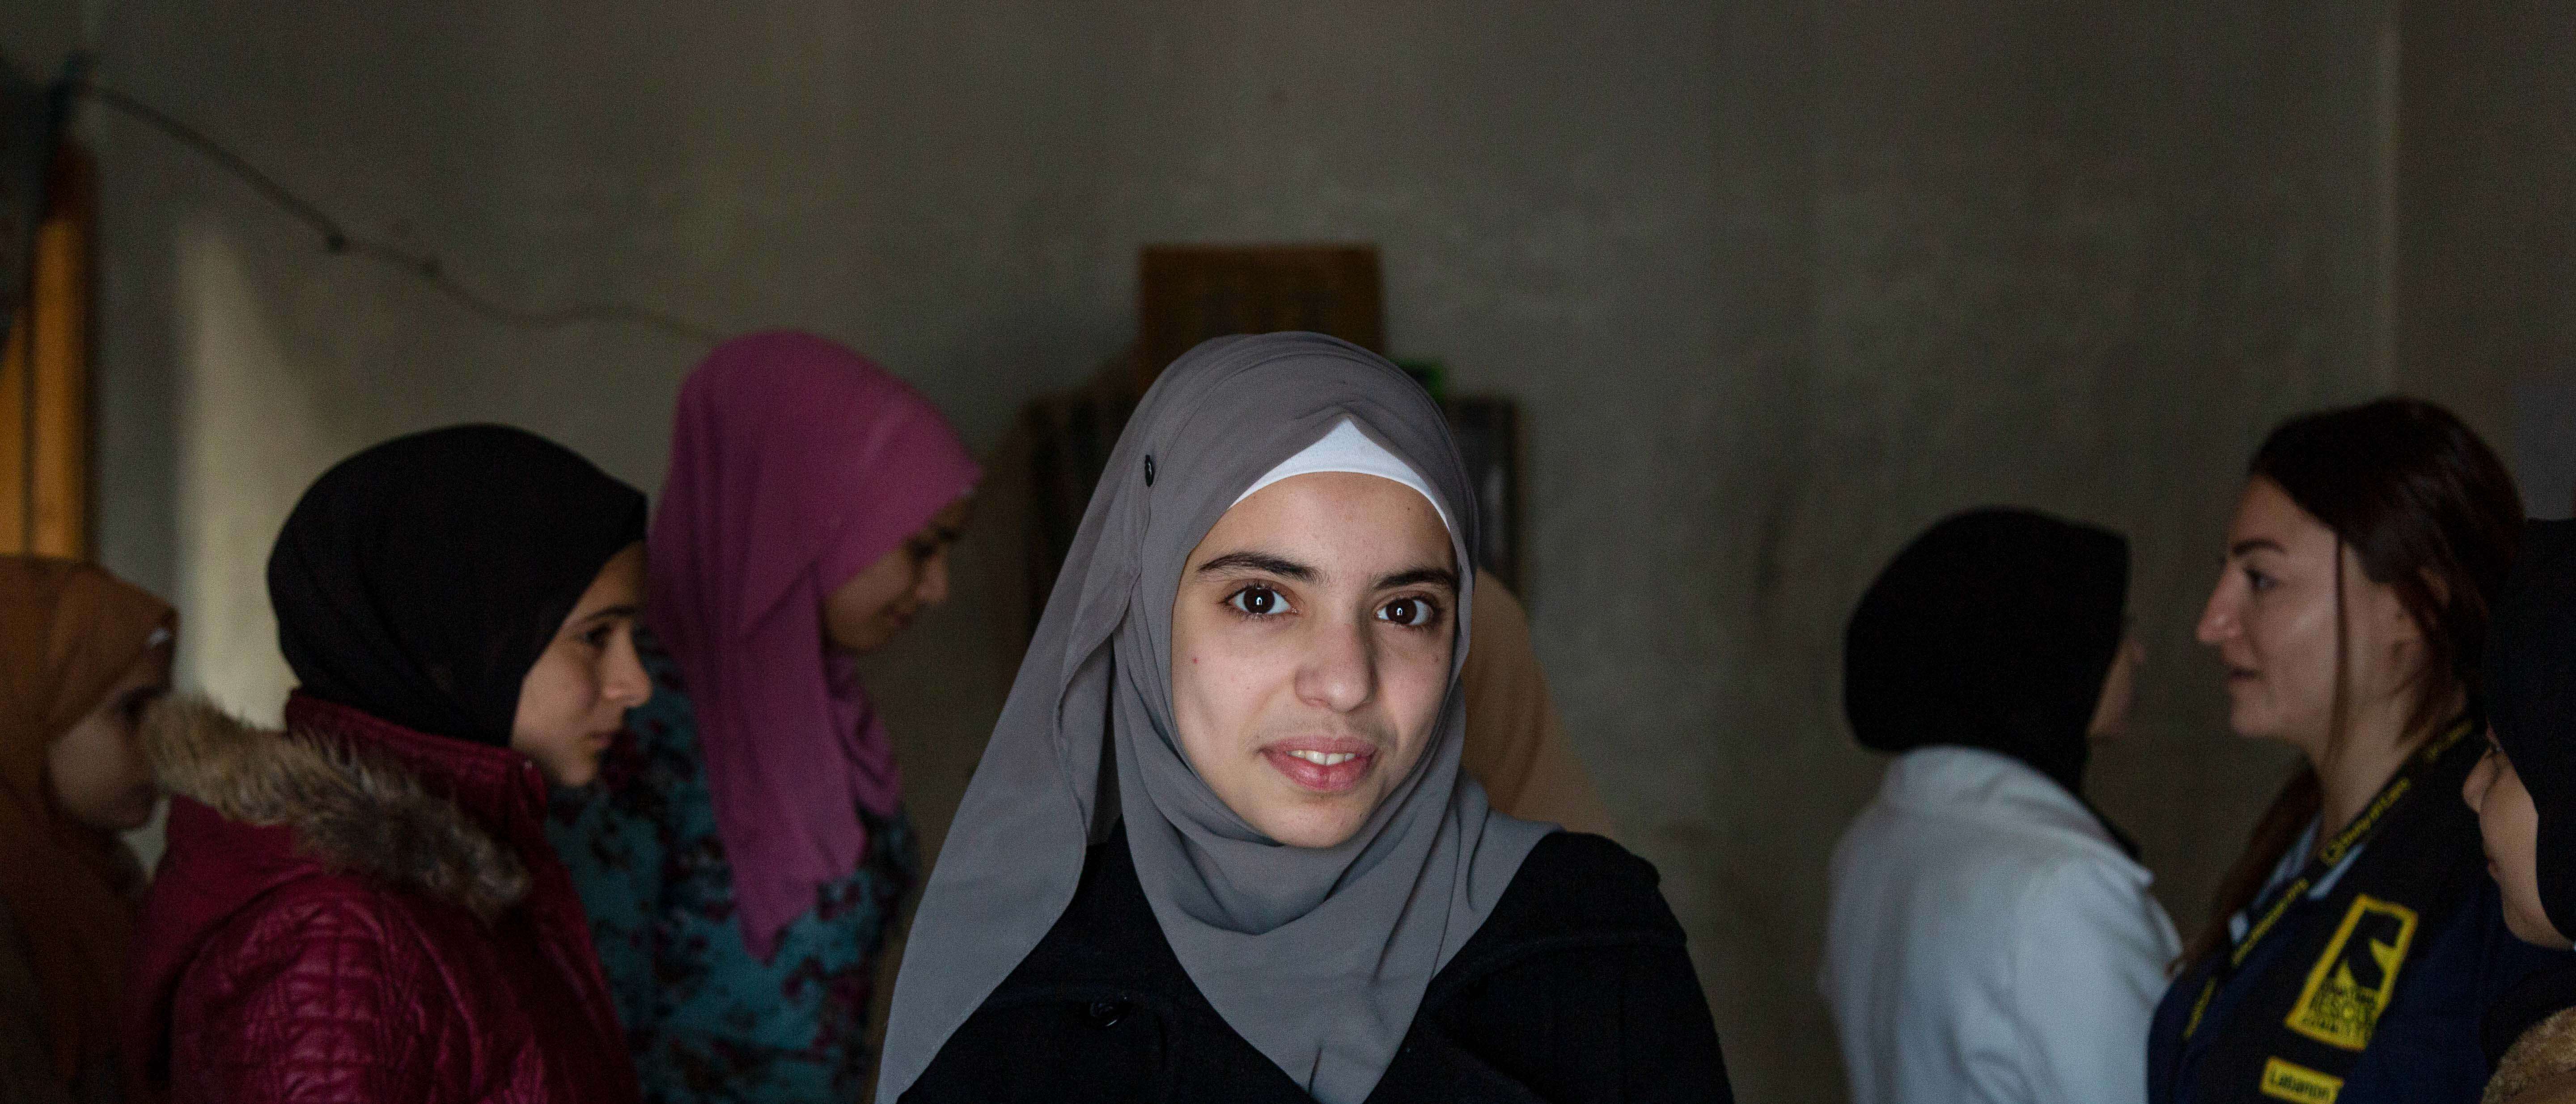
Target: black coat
pixel 1575 989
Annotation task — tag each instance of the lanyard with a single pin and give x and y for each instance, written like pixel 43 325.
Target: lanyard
pixel 2320 865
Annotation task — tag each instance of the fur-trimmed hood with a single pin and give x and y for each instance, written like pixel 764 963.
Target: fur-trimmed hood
pixel 351 808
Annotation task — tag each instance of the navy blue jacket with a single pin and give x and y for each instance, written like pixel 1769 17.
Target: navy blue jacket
pixel 2425 1048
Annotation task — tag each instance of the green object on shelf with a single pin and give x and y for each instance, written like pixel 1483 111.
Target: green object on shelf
pixel 1431 374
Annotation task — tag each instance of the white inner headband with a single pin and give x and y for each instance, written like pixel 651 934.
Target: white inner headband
pixel 1346 449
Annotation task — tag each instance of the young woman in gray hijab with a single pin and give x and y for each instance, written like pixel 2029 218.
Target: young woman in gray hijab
pixel 1220 847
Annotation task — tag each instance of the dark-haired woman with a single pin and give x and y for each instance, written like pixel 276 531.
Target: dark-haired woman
pixel 2356 943
pixel 364 907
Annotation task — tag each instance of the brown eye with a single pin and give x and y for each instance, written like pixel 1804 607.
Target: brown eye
pixel 1412 613
pixel 1258 601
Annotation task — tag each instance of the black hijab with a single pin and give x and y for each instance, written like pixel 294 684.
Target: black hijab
pixel 2530 683
pixel 1995 629
pixel 419 580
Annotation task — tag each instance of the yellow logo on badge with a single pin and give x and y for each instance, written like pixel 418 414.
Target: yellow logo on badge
pixel 2286 1081
pixel 2351 984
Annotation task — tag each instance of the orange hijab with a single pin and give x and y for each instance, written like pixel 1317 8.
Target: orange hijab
pixel 1515 744
pixel 68 632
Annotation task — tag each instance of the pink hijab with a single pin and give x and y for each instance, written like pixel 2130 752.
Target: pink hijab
pixel 795 463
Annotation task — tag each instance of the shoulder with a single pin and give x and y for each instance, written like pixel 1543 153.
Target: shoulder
pixel 1572 886
pixel 1996 854
pixel 1993 906
pixel 346 947
pixel 1578 986
pixel 2038 914
pixel 1587 880
pixel 329 981
pixel 2083 920
pixel 1574 890
pixel 325 968
pixel 339 930
pixel 2068 879
pixel 267 806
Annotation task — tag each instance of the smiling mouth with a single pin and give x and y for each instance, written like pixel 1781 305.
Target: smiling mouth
pixel 1324 766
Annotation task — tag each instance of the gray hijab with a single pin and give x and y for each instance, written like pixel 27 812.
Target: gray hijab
pixel 1317 956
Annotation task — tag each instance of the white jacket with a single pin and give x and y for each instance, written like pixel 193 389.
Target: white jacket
pixel 1988 942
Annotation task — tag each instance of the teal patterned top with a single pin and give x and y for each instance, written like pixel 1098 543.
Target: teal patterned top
pixel 707 1021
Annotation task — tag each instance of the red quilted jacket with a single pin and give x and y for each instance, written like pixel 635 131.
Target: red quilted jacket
pixel 352 911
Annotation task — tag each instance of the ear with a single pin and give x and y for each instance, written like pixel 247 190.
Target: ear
pixel 2401 626
pixel 2396 626
pixel 2441 587
pixel 2377 606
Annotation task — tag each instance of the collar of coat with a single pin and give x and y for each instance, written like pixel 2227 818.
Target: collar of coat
pixel 355 802
pixel 1574 892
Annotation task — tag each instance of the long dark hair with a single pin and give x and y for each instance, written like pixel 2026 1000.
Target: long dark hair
pixel 2430 513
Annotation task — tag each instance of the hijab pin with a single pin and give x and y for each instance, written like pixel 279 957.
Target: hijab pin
pixel 1149 471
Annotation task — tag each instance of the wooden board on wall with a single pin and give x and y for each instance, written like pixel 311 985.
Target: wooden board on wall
pixel 45 505
pixel 1186 294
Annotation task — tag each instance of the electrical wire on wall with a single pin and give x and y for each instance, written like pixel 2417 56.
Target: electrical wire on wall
pixel 337 238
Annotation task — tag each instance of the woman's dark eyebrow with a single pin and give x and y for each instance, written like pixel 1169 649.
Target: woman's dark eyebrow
pixel 1437 576
pixel 1280 566
pixel 629 609
pixel 2255 545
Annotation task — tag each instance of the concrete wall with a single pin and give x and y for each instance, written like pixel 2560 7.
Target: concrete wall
pixel 1780 282
pixel 2486 208
pixel 2074 256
